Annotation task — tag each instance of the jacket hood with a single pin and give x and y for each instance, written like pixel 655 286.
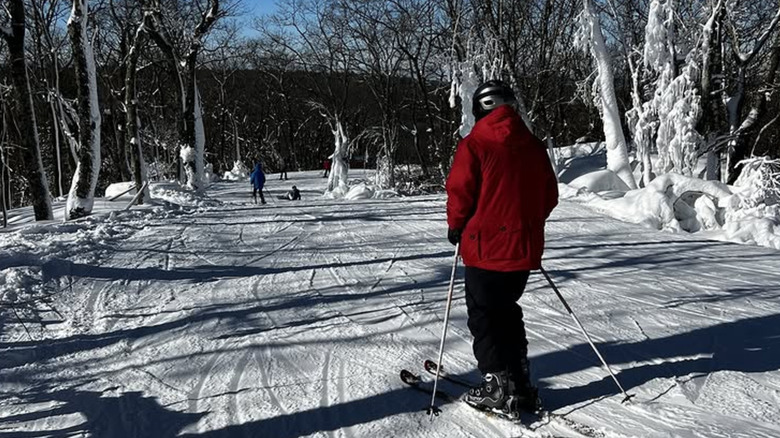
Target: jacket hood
pixel 258 167
pixel 502 125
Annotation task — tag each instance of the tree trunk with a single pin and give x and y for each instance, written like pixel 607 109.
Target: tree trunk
pixel 711 79
pixel 617 150
pixel 339 164
pixel 132 121
pixel 33 164
pixel 82 192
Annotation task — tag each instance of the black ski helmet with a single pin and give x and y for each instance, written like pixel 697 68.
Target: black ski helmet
pixel 490 96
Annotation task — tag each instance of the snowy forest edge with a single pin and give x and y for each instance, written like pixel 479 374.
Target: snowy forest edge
pixel 682 94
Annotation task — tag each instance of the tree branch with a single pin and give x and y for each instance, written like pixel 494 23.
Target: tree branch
pixel 745 59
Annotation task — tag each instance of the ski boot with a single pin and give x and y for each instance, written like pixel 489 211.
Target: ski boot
pixel 494 395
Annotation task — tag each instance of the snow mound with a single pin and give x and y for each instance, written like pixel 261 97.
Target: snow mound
pixel 30 255
pixel 125 188
pixel 239 172
pixel 754 230
pixel 600 181
pixel 173 193
pixel 747 213
pixel 670 202
pixel 20 284
pixel 360 191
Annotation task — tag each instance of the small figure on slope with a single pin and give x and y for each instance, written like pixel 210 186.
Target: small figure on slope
pixel 326 166
pixel 257 178
pixel 293 195
pixel 500 191
pixel 283 168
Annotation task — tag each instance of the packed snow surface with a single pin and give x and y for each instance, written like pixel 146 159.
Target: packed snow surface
pixel 216 317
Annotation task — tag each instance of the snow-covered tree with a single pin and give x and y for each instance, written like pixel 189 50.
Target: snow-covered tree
pixel 338 178
pixel 674 110
pixel 82 190
pixel 591 38
pixel 483 63
pixel 33 165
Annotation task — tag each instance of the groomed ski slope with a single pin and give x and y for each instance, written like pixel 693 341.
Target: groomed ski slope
pixel 294 319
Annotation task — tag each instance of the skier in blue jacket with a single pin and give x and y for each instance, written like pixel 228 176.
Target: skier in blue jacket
pixel 257 178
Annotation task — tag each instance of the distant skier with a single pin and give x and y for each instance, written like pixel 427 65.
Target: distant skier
pixel 283 169
pixel 257 178
pixel 501 189
pixel 326 166
pixel 293 195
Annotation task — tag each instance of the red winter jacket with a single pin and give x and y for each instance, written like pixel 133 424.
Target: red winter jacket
pixel 500 191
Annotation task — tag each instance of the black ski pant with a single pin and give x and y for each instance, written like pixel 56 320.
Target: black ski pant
pixel 496 319
pixel 256 192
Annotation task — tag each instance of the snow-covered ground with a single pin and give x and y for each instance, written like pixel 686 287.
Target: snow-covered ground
pixel 222 318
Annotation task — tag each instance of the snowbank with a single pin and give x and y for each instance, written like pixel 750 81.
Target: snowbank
pixel 600 181
pixel 125 188
pixel 32 252
pixel 748 212
pixel 172 193
pixel 668 203
pixel 28 255
pixel 360 189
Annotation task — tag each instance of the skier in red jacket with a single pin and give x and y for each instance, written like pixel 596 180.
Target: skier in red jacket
pixel 500 191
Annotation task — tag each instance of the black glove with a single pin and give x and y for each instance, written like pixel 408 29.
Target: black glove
pixel 453 236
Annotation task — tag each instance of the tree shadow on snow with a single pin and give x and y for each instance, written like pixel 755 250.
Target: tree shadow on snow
pixel 197 274
pixel 329 418
pixel 750 345
pixel 127 415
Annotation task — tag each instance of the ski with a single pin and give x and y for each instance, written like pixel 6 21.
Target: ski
pixel 416 382
pixel 526 419
pixel 537 416
pixel 431 366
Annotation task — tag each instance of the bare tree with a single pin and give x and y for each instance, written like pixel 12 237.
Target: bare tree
pixel 183 61
pixel 743 60
pixel 132 120
pixel 314 34
pixel 14 36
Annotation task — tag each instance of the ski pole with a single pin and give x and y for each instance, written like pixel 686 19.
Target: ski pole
pixel 590 341
pixel 433 410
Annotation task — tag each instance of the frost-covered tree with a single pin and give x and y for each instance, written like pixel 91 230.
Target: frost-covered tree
pixel 14 35
pixel 591 38
pixel 669 119
pixel 483 63
pixel 82 191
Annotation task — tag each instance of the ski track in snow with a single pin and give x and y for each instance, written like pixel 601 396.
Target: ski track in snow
pixel 293 319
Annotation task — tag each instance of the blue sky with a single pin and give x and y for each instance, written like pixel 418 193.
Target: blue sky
pixel 260 7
